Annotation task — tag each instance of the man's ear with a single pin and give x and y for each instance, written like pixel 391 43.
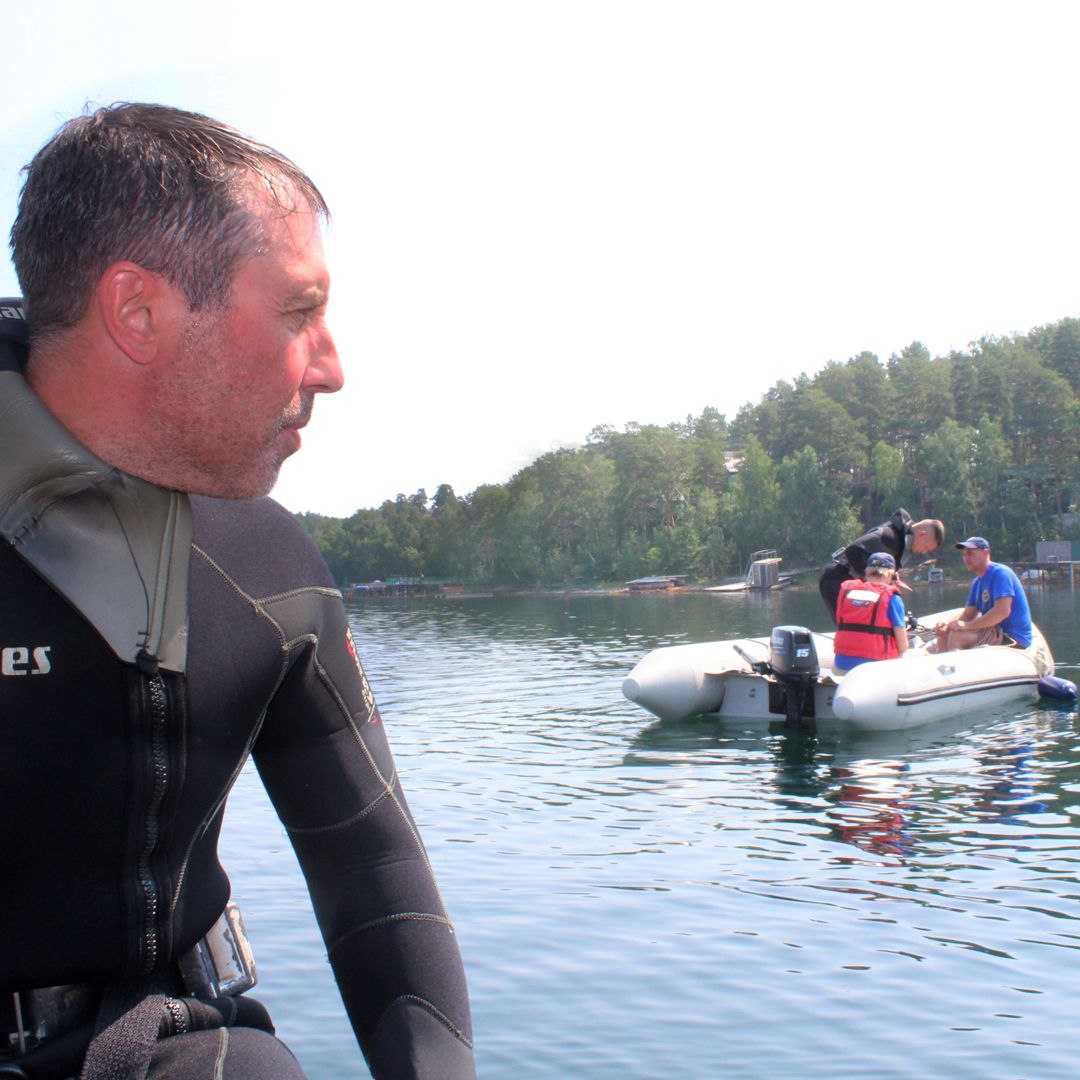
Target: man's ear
pixel 139 309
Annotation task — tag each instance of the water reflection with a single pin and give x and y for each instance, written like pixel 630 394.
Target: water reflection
pixel 1012 792
pixel 872 809
pixel 886 793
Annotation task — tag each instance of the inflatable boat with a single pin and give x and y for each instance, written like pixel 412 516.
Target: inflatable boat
pixel 790 676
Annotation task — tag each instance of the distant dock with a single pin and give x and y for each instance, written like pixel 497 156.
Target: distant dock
pixel 1062 569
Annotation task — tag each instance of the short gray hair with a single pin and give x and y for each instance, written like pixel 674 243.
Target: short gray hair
pixel 164 188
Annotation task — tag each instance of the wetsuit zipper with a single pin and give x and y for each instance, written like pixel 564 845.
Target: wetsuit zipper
pixel 178 1022
pixel 151 891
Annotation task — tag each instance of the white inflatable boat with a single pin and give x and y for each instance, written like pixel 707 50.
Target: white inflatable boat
pixel 790 676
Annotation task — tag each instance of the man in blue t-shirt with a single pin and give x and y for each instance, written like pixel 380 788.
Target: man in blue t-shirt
pixel 997 610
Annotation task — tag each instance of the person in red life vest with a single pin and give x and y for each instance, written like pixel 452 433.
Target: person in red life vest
pixel 870 616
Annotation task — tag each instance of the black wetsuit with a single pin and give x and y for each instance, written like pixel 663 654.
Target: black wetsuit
pixel 850 562
pixel 114 767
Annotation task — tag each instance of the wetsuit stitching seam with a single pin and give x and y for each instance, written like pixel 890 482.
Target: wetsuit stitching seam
pixel 388 785
pixel 256 606
pixel 321 590
pixel 167 542
pixel 218 803
pixel 223 1049
pixel 309 830
pixel 386 920
pixel 420 847
pixel 332 689
pixel 255 603
pixel 33 521
pixel 346 713
pixel 440 1016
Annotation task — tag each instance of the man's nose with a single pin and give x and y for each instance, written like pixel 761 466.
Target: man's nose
pixel 324 374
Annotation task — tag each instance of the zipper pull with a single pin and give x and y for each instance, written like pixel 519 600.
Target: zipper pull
pixel 146 663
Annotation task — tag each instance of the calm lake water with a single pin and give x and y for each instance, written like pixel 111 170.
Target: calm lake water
pixel 702 899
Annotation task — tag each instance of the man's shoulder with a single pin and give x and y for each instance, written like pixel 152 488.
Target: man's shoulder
pixel 1003 573
pixel 262 513
pixel 259 544
pixel 900 521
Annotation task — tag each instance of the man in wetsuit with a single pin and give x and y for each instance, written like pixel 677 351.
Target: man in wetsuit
pixel 162 620
pixel 896 537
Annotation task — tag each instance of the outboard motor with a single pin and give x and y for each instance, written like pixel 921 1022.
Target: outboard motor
pixel 794 662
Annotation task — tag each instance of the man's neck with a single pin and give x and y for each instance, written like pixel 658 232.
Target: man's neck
pixel 94 409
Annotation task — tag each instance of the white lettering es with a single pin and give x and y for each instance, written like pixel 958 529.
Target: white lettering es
pixel 21 660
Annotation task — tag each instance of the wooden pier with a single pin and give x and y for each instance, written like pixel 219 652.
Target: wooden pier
pixel 1062 569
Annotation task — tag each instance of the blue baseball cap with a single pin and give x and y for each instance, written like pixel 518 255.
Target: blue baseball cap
pixel 979 542
pixel 882 560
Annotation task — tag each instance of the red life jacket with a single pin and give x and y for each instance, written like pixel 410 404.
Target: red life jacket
pixel 862 620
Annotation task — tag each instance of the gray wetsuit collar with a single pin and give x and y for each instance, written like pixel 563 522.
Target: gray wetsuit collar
pixel 116 547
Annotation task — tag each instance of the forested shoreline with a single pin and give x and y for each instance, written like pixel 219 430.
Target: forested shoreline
pixel 987 439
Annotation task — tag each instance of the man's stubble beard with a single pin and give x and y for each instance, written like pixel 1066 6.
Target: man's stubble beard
pixel 204 429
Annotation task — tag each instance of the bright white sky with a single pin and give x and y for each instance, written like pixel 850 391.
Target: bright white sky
pixel 552 215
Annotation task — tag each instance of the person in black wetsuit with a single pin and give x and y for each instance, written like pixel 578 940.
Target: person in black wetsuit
pixel 162 621
pixel 896 537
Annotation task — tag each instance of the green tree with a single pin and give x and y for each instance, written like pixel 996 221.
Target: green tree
pixel 486 511
pixel 889 484
pixel 811 418
pixel 861 386
pixel 450 548
pixel 920 396
pixel 981 381
pixel 708 446
pixel 750 509
pixel 1047 425
pixel 1062 351
pixel 653 469
pixel 813 507
pixel 946 467
pixel 572 518
pixel 990 472
pixel 765 420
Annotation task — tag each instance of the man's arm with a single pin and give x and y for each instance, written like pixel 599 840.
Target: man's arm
pixel 970 619
pixel 325 762
pixel 855 556
pixel 898 619
pixel 323 756
pixel 961 620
